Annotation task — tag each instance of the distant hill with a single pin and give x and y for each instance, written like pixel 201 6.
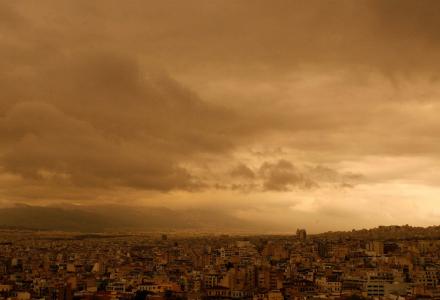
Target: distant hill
pixel 115 217
pixel 387 232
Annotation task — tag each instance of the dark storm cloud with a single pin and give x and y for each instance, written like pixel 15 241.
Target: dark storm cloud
pixel 283 176
pixel 243 171
pixel 95 120
pixel 275 36
pixel 406 19
pixel 86 105
pixel 282 35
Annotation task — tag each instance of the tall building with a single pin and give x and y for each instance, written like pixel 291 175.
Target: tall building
pixel 323 249
pixel 377 247
pixel 301 234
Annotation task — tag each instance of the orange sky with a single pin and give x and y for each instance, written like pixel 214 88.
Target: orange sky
pixel 318 114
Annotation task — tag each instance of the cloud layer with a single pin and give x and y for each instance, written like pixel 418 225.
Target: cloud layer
pixel 200 100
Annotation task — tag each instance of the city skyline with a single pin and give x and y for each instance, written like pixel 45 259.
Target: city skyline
pixel 289 114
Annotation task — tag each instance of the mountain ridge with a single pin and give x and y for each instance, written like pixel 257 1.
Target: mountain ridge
pixel 103 218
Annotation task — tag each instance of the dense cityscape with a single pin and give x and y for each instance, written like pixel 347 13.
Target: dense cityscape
pixel 57 265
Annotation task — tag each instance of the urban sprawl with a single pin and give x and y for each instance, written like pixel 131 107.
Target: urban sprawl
pixel 41 265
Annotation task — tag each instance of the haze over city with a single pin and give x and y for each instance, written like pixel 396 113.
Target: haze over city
pixel 259 115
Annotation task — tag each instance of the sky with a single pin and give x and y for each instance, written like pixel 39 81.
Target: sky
pixel 306 113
